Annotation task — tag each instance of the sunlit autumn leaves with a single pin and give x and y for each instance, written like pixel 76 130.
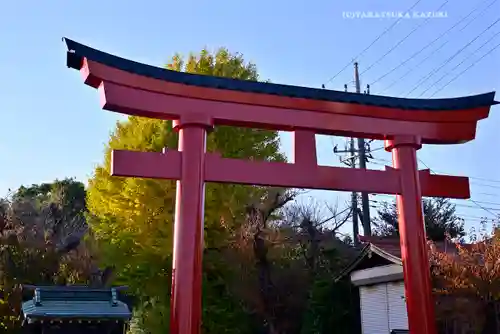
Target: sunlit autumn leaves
pixel 467 281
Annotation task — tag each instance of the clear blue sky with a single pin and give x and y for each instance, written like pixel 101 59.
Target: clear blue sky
pixel 52 126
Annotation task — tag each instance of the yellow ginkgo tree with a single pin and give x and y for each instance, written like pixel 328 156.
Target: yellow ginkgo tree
pixel 132 218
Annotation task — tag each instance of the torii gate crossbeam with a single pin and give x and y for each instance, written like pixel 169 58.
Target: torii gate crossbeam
pixel 196 103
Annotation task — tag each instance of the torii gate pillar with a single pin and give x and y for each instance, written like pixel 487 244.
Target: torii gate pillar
pixel 418 289
pixel 185 316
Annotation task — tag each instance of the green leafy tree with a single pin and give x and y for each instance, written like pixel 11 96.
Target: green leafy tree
pixel 132 218
pixel 441 220
pixel 68 194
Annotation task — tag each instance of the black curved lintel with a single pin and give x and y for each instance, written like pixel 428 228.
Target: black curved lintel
pixel 77 51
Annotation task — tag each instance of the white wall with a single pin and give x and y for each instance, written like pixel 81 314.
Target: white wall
pixel 383 307
pixel 374 314
pixel 398 317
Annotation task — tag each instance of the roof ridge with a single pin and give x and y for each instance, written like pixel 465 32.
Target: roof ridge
pixel 76 53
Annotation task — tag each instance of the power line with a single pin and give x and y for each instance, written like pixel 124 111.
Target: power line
pixel 488 203
pixel 486 185
pixel 423 163
pixel 458 65
pixel 476 203
pixel 371 44
pixel 470 177
pixel 439 48
pixel 384 162
pixel 380 205
pixel 377 149
pixel 368 151
pixel 484 179
pixel 489 210
pixel 402 40
pixel 488 194
pixel 404 62
pixel 465 70
pixel 435 70
pixel 476 217
pixel 480 202
pixel 495 212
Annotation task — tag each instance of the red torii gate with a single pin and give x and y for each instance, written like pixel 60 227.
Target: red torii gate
pixel 196 103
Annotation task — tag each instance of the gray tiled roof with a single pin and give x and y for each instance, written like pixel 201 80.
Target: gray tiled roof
pixel 77 51
pixel 78 303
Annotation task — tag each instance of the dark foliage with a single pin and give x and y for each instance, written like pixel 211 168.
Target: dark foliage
pixel 440 219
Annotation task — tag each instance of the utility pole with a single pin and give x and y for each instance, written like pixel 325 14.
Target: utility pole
pixel 360 150
pixel 365 201
pixel 354 199
pixel 351 161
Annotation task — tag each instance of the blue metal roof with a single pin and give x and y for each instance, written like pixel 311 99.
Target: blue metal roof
pixel 77 51
pixel 81 303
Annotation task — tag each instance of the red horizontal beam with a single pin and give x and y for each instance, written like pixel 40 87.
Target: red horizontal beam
pixel 278 174
pixel 443 185
pixel 137 102
pixel 94 73
pixel 281 174
pixel 153 165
